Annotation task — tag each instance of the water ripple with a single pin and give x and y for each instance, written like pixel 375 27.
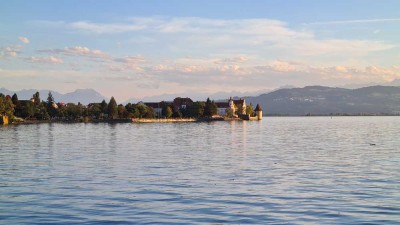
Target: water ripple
pixel 299 170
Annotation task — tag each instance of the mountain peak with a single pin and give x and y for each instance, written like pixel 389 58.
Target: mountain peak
pixel 84 96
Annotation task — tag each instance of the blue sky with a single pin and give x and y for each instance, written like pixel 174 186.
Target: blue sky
pixel 194 48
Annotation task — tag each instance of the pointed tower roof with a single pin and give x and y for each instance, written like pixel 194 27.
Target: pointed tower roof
pixel 258 108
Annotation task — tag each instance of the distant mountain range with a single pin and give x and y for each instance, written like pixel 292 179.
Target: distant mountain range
pixel 319 100
pixel 315 100
pixel 196 96
pixel 84 96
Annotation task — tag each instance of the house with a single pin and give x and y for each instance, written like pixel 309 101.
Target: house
pixel 181 103
pixel 239 106
pixel 176 105
pixel 222 108
pixel 157 106
pixel 234 105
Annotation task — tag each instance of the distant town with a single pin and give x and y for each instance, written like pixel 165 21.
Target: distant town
pixel 14 110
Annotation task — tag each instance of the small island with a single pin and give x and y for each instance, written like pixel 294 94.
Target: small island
pixel 35 110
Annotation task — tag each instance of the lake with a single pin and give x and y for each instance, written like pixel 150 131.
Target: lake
pixel 296 170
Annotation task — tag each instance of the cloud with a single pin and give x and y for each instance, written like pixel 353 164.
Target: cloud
pixel 77 51
pixel 9 52
pixel 131 59
pixel 24 40
pixel 102 28
pixel 51 60
pixel 285 66
pixel 234 60
pixel 387 74
pixel 234 54
pixel 355 21
pixel 250 36
pixel 128 63
pixel 260 38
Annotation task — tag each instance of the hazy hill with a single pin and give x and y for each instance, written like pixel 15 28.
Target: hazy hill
pixel 84 96
pixel 327 100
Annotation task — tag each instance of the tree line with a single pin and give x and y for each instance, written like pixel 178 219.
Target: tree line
pixel 37 109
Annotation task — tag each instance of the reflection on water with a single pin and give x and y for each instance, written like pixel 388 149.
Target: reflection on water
pixel 280 170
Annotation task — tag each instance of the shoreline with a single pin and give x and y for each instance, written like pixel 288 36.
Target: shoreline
pixel 179 120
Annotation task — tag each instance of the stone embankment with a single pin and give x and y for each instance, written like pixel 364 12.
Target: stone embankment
pixel 136 120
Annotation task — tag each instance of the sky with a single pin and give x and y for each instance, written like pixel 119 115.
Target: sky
pixel 134 49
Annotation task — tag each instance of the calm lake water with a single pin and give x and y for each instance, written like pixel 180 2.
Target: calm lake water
pixel 296 170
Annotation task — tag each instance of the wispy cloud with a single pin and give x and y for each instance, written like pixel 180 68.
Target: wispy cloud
pixel 102 28
pixel 78 51
pixel 234 60
pixel 185 53
pixel 248 36
pixel 10 51
pixel 50 59
pixel 131 59
pixel 24 40
pixel 354 21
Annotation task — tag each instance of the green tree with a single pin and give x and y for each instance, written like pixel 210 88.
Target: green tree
pixel 122 112
pixel 133 110
pixel 104 106
pixel 210 108
pixel 177 114
pixel 196 110
pixel 149 113
pixel 95 110
pixel 229 113
pixel 50 105
pixel 14 99
pixel 249 109
pixel 112 109
pixel 6 107
pixel 26 109
pixel 41 111
pixel 239 110
pixel 214 108
pixel 167 111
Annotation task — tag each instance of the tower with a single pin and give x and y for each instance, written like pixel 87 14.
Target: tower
pixel 258 112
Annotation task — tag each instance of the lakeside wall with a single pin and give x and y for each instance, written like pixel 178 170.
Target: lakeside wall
pixel 171 120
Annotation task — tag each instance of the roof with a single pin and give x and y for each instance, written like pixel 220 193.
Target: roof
pixel 182 101
pixel 222 104
pixel 239 102
pixel 258 108
pixel 153 104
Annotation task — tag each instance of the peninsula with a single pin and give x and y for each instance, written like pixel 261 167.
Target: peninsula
pixel 13 110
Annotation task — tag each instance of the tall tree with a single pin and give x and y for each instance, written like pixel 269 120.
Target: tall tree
pixel 112 109
pixel 210 108
pixel 25 109
pixel 214 108
pixel 249 109
pixel 104 107
pixel 166 111
pixel 50 105
pixel 122 112
pixel 196 110
pixel 14 99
